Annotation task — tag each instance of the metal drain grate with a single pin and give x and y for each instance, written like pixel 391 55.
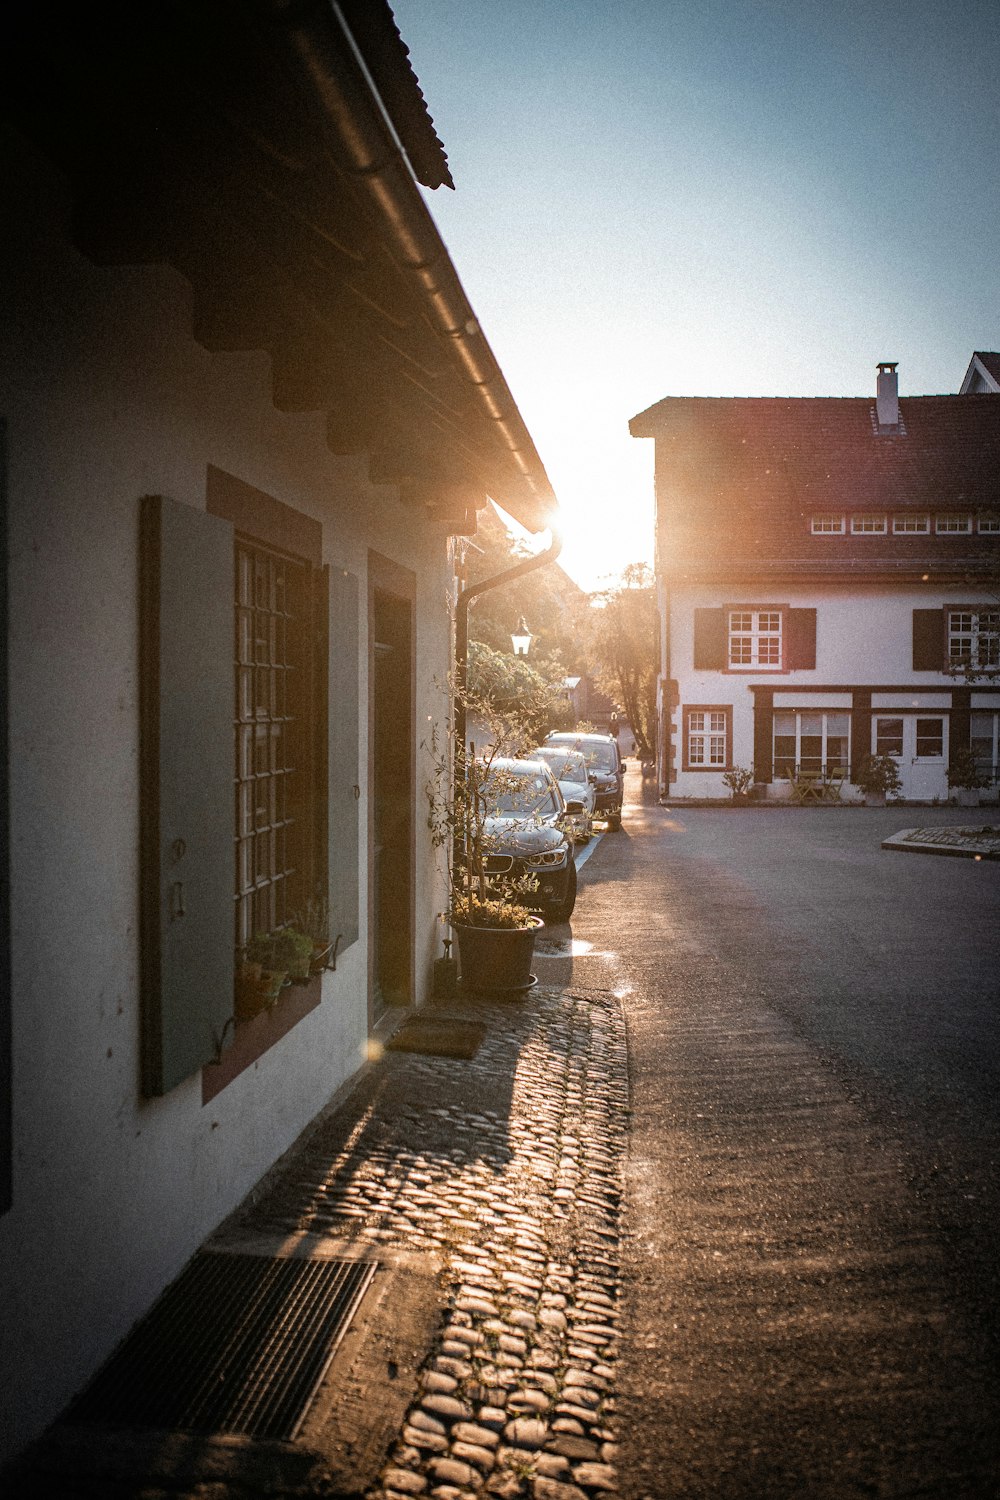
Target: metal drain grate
pixel 239 1343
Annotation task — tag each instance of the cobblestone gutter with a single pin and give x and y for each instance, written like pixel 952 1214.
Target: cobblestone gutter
pixel 521 1206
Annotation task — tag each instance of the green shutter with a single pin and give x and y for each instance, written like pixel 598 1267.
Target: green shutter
pixel 187 788
pixel 710 639
pixel 928 640
pixel 343 776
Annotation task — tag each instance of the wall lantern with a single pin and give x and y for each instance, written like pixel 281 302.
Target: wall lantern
pixel 521 638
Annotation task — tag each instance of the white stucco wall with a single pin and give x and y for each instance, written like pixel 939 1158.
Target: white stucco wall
pixel 864 638
pixel 107 397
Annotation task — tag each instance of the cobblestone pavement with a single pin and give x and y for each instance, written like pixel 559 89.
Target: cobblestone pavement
pixel 522 1208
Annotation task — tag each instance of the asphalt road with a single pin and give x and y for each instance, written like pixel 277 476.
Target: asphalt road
pixel 812 1303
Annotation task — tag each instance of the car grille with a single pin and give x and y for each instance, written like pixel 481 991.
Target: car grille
pixel 498 864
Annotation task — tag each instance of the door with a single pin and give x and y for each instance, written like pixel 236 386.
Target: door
pixel 919 743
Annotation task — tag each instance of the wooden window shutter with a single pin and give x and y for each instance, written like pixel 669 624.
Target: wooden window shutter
pixel 187 824
pixel 343 793
pixel 710 639
pixel 928 640
pixel 801 639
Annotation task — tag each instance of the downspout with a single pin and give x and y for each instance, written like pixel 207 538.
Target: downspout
pixel 465 598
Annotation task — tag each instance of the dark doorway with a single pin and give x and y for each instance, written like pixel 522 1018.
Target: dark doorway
pixel 392 802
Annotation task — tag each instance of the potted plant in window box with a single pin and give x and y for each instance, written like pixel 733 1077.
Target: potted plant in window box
pixel 965 779
pixel 257 988
pixel 314 921
pixel 878 777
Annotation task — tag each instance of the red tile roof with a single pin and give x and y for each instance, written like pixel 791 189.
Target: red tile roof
pixel 737 480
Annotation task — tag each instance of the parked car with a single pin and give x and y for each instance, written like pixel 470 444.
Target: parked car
pixel 569 767
pixel 527 834
pixel 605 768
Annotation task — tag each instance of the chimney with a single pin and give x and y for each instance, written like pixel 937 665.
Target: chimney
pixel 887 395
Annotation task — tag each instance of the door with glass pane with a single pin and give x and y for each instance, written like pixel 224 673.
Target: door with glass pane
pixel 919 743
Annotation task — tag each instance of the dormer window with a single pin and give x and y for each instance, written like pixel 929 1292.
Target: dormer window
pixel 952 523
pixel 989 525
pixel 869 524
pixel 911 525
pixel 827 525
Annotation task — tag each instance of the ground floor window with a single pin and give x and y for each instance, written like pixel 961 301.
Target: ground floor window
pixel 811 743
pixel 707 738
pixel 275 771
pixel 985 744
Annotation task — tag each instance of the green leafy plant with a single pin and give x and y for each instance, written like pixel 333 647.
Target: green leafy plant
pixel 739 780
pixel 285 951
pixel 878 774
pixel 963 771
pixel 493 912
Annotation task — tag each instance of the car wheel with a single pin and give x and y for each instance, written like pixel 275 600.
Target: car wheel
pixel 564 910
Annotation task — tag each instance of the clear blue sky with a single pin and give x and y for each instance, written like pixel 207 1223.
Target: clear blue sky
pixel 710 197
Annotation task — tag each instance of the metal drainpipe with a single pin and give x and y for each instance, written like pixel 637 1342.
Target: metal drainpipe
pixel 465 598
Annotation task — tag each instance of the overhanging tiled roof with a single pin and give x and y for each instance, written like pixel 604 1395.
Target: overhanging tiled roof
pixel 245 145
pixel 739 478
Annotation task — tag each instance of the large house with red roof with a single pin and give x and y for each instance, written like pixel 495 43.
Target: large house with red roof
pixel 829 583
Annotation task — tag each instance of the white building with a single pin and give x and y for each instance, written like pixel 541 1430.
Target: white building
pixel 244 407
pixel 828 576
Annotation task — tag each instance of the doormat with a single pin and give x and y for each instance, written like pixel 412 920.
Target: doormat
pixel 438 1037
pixel 238 1343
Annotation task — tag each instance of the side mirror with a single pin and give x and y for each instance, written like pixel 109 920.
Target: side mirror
pixel 575 807
pixel 592 777
pixel 624 765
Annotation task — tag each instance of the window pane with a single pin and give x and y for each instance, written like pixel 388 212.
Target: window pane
pixel 784 723
pixel 889 737
pixel 811 723
pixel 838 724
pixel 836 754
pixel 930 737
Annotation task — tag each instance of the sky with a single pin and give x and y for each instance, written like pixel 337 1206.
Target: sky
pixel 710 198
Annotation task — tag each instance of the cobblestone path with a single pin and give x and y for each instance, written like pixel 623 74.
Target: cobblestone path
pixel 522 1208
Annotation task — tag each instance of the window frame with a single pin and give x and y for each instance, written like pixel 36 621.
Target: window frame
pixel 755 635
pixel 989 524
pixel 991 769
pixel 942 528
pixel 878 517
pixel 901 528
pixel 970 661
pixel 838 526
pixel 843 765
pixel 724 709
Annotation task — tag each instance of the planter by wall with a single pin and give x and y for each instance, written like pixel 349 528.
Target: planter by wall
pixel 494 959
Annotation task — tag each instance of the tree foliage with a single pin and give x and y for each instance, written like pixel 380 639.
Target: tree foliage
pixel 529 698
pixel 624 641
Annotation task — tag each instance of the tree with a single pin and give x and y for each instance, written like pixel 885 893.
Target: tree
pixel 625 643
pixel 529 699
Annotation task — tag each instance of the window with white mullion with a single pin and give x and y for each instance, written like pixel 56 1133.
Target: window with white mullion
pixel 984 742
pixel 974 638
pixel 755 639
pixel 811 743
pixel 707 738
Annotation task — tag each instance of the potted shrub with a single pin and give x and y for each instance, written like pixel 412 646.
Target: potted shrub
pixel 314 921
pixel 739 780
pixel 965 779
pixel 495 929
pixel 285 951
pixel 878 777
pixel 257 988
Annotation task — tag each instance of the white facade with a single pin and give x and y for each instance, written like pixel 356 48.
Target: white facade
pixel 860 688
pixel 107 398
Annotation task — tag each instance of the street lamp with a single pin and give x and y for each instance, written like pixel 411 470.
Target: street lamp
pixel 521 638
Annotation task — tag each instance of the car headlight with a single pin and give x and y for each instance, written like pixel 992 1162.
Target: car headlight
pixel 548 859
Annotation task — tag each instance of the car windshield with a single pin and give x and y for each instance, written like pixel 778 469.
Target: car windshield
pixel 600 756
pixel 514 793
pixel 565 765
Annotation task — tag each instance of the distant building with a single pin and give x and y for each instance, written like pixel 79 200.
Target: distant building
pixel 825 567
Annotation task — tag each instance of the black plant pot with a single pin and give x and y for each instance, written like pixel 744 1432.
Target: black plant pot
pixel 493 959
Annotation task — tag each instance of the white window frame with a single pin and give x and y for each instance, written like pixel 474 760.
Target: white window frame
pixel 993 770
pixel 826 714
pixel 990 525
pixel 953 523
pixel 967 636
pixel 911 525
pixel 707 730
pixel 869 523
pixel 827 525
pixel 759 638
